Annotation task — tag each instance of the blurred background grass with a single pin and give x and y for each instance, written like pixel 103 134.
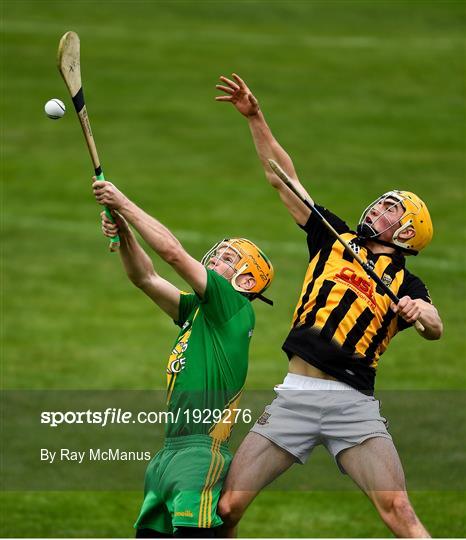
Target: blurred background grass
pixel 365 95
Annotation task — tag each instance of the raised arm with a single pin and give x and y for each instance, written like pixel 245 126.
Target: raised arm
pixel 160 239
pixel 139 267
pixel 240 96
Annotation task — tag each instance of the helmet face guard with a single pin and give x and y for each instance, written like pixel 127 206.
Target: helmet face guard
pixel 415 215
pixel 367 230
pixel 243 257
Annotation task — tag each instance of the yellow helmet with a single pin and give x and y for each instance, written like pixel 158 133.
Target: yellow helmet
pixel 251 260
pixel 415 215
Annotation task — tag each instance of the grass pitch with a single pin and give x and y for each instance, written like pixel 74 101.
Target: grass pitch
pixel 366 97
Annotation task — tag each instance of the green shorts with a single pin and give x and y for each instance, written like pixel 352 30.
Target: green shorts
pixel 183 484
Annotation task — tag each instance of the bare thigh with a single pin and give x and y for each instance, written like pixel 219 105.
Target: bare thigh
pixel 376 468
pixel 257 462
pixel 374 465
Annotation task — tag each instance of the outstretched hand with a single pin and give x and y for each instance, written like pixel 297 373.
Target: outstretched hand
pixel 239 95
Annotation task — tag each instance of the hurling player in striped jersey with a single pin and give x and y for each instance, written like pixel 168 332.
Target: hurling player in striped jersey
pixel 341 326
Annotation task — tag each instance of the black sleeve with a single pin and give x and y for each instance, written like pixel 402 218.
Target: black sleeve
pixel 318 235
pixel 413 287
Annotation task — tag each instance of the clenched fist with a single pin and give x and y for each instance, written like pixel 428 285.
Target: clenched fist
pixel 107 194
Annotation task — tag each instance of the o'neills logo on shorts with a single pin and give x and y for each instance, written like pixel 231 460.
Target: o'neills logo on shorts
pixel 362 287
pixel 185 513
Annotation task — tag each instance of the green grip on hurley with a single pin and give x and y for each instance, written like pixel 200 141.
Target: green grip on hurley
pixel 115 240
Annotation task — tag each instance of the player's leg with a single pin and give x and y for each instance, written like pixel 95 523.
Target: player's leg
pixel 193 483
pixel 356 434
pixel 154 520
pixel 256 464
pixel 375 467
pixel 285 433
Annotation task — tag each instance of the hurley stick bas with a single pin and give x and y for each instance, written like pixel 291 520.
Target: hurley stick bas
pixel 69 65
pixel 287 181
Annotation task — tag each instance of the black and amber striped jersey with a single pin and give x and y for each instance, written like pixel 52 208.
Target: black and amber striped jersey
pixel 343 321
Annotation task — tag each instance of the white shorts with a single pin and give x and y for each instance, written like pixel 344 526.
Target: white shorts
pixel 309 411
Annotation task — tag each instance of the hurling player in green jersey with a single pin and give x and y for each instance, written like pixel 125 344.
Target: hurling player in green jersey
pixel 206 369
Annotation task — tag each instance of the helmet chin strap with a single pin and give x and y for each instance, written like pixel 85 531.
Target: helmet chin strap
pixel 366 232
pixel 399 248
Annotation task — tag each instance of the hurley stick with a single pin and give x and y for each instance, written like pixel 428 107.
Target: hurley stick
pixel 69 65
pixel 287 181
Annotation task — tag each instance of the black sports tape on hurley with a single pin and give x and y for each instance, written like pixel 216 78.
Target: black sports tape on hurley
pixel 78 100
pixel 98 171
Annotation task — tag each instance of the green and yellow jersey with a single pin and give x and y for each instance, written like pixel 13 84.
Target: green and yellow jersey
pixel 343 321
pixel 208 365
